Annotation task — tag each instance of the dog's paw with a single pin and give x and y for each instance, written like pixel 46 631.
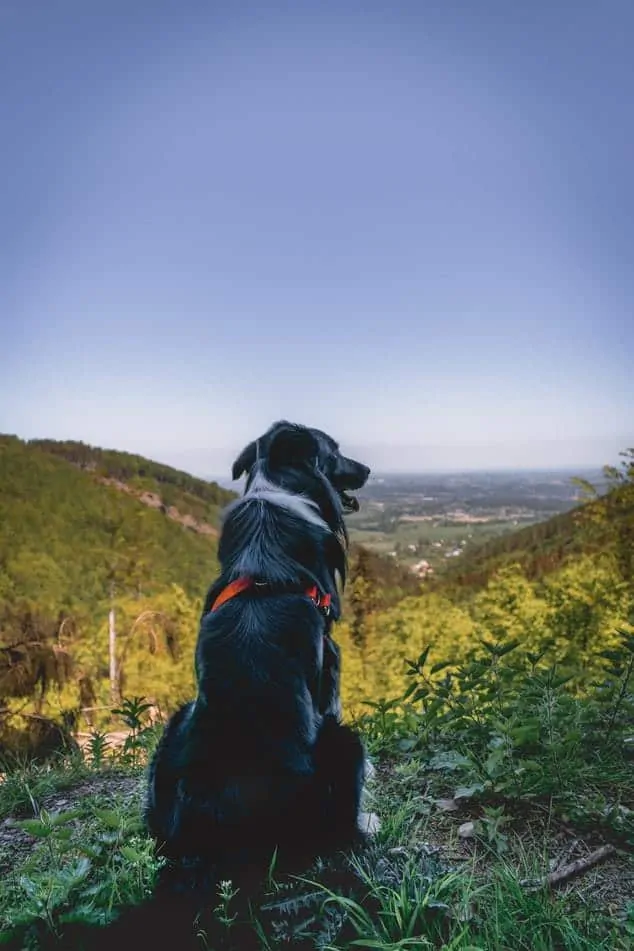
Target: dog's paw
pixel 369 823
pixel 369 770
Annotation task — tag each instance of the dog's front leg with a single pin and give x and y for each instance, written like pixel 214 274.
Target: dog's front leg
pixel 329 697
pixel 330 706
pixel 339 770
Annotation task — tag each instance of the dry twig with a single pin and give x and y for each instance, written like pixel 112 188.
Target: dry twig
pixel 574 868
pixel 579 865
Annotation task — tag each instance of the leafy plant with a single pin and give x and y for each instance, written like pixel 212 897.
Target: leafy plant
pixel 98 748
pixel 507 723
pixel 87 860
pixel 142 736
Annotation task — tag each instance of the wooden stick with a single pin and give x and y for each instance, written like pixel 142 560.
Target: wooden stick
pixel 568 871
pixel 567 855
pixel 579 865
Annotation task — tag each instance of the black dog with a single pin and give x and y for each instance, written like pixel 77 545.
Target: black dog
pixel 260 761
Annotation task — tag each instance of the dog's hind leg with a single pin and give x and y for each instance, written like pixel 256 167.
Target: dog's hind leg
pixel 163 772
pixel 339 772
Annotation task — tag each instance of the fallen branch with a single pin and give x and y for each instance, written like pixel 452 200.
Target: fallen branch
pixel 579 865
pixel 568 854
pixel 574 868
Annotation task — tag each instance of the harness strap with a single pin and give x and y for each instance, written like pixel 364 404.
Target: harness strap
pixel 322 601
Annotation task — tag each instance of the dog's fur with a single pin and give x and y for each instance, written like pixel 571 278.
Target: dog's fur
pixel 260 760
pixel 259 764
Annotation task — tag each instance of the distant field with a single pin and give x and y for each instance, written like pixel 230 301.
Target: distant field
pixel 432 517
pixel 432 540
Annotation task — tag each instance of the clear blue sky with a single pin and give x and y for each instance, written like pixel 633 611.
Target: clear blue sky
pixel 411 224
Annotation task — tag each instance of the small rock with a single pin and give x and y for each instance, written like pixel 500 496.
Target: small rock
pixel 467 830
pixel 369 770
pixel 447 805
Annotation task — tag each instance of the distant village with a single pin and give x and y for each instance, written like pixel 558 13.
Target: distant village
pixel 420 519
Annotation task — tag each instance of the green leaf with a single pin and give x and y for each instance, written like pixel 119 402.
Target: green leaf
pixel 503 649
pixel 441 665
pixel 420 694
pixel 449 760
pixel 60 818
pixel 34 827
pixel 130 854
pixel 63 835
pixel 410 690
pixel 109 818
pixel 81 868
pixel 493 760
pixel 526 733
pixel 468 792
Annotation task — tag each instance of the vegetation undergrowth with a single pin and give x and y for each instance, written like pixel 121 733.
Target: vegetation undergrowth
pixel 490 772
pixel 508 725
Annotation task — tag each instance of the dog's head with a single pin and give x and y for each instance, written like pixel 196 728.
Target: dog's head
pixel 306 461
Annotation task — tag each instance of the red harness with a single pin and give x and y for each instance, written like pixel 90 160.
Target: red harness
pixel 243 584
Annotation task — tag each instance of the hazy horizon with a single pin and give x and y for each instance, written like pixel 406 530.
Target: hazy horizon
pixel 386 461
pixel 582 472
pixel 409 225
pixel 415 460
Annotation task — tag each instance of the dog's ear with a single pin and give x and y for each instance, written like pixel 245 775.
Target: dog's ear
pixel 245 461
pixel 292 446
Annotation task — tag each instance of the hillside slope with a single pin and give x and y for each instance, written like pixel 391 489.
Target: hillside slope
pixel 70 539
pixel 83 532
pixel 541 549
pixel 194 502
pixel 567 583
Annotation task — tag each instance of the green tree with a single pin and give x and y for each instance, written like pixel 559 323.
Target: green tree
pixel 509 608
pixel 612 513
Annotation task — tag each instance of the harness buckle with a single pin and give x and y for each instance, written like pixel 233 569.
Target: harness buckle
pixel 322 602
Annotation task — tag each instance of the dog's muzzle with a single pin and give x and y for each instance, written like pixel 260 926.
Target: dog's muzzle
pixel 349 502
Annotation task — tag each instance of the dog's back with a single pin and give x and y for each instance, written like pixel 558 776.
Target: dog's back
pixel 260 762
pixel 242 771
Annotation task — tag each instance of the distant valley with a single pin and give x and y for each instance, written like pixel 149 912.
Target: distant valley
pixel 427 520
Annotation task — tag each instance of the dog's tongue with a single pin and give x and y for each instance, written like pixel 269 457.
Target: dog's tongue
pixel 350 502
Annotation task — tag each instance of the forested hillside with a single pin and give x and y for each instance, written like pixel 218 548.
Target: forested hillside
pixel 72 546
pixel 602 523
pixel 567 584
pixel 70 541
pixel 176 489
